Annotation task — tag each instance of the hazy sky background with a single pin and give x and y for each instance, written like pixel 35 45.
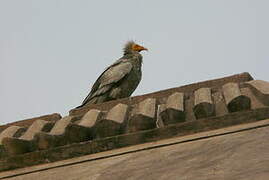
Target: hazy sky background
pixel 52 51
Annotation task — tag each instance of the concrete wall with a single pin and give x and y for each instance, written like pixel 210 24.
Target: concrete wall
pixel 235 153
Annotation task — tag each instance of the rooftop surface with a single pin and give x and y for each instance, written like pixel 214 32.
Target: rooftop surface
pixel 205 116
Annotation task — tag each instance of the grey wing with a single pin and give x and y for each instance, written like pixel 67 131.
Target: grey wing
pixel 108 78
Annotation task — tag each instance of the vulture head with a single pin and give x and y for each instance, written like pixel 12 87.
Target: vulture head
pixel 131 47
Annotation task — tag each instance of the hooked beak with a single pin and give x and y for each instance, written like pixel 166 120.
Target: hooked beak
pixel 145 49
pixel 141 48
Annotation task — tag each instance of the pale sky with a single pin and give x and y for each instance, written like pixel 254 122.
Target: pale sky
pixel 52 51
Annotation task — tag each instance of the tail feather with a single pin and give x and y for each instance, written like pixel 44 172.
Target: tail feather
pixel 95 100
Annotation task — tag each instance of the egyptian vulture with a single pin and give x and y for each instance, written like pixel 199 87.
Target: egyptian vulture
pixel 120 79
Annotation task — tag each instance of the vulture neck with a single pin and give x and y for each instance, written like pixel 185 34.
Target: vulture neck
pixel 135 58
pixel 130 52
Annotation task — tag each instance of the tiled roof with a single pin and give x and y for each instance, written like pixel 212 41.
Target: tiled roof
pixel 174 112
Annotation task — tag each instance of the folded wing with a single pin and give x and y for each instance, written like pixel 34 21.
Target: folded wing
pixel 109 79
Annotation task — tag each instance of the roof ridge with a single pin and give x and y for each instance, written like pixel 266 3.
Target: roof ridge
pixel 241 77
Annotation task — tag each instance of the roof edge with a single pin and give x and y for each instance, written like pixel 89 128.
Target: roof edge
pixel 138 148
pixel 125 140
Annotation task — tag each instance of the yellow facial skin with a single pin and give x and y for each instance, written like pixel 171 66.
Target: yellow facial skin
pixel 138 48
